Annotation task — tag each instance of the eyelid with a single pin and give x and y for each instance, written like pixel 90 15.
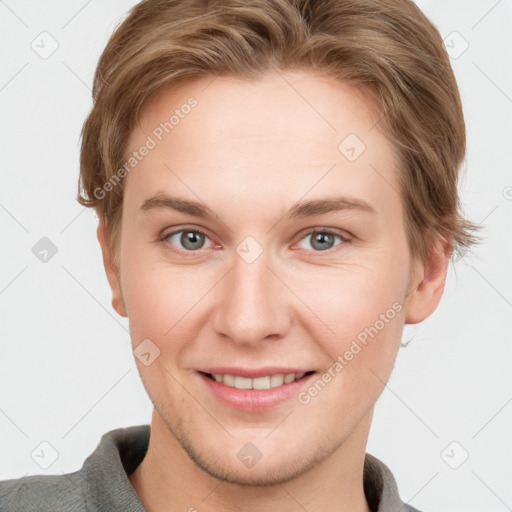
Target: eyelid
pixel 178 229
pixel 333 231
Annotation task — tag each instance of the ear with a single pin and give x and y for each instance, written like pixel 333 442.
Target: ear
pixel 111 269
pixel 428 280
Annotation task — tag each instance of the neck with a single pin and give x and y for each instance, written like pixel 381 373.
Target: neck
pixel 167 480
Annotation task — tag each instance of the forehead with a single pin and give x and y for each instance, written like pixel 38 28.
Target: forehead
pixel 302 104
pixel 295 132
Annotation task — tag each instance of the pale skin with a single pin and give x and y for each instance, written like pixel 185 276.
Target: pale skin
pixel 250 151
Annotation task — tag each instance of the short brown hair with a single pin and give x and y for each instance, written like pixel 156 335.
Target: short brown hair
pixel 387 48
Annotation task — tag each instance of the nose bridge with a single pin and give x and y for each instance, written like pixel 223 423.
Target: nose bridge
pixel 250 307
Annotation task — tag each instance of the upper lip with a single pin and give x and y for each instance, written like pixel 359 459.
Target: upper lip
pixel 253 372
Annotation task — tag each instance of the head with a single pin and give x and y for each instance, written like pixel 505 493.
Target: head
pixel 321 144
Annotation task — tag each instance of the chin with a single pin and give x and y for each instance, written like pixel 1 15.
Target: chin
pixel 266 472
pixel 252 460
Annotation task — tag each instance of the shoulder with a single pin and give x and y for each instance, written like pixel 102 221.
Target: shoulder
pixel 42 492
pixel 101 484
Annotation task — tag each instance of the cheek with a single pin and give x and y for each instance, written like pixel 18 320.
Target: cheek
pixel 367 322
pixel 362 314
pixel 347 300
pixel 160 298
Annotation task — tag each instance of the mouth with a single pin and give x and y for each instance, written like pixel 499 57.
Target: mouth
pixel 256 394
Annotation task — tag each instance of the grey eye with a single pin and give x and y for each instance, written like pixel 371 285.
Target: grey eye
pixel 189 240
pixel 322 240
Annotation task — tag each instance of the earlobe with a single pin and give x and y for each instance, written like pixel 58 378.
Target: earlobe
pixel 428 281
pixel 111 269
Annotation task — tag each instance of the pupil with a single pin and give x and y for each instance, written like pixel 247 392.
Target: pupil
pixel 191 237
pixel 323 238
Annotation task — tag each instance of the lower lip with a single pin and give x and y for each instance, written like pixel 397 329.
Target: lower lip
pixel 254 400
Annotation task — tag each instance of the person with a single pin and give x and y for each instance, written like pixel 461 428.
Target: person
pixel 276 186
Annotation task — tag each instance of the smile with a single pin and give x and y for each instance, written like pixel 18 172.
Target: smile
pixel 266 382
pixel 255 394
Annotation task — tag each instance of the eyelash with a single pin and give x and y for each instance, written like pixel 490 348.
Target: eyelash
pixel 343 238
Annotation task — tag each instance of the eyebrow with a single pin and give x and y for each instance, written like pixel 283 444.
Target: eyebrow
pixel 299 210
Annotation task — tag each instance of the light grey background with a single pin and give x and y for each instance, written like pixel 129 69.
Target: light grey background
pixel 67 374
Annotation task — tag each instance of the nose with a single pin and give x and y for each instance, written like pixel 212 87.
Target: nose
pixel 252 303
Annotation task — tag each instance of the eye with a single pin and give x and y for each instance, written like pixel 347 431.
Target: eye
pixel 193 240
pixel 322 239
pixel 187 240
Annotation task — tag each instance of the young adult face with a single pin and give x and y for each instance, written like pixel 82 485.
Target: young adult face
pixel 251 287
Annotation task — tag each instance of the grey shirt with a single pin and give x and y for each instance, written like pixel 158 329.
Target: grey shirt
pixel 102 484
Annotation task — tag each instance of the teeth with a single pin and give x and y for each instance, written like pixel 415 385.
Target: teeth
pixel 243 383
pixel 262 383
pixel 290 377
pixel 268 382
pixel 229 380
pixel 276 380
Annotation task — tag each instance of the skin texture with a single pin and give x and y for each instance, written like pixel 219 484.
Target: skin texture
pixel 249 151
